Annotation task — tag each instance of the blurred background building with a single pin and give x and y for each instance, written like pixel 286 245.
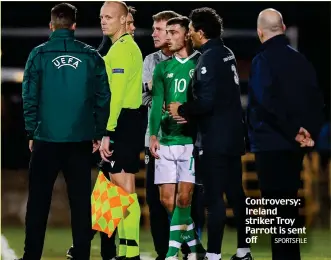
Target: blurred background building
pixel 24 25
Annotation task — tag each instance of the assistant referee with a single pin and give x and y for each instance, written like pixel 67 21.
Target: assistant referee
pixel 120 150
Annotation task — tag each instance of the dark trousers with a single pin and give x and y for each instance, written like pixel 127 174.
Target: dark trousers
pixel 159 219
pixel 47 159
pixel 158 215
pixel 108 245
pixel 223 174
pixel 279 178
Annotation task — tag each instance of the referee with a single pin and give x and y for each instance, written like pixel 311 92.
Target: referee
pixel 66 105
pixel 217 110
pixel 108 246
pixel 120 149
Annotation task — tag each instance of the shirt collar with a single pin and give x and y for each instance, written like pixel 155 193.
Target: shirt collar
pixel 211 43
pixel 276 40
pixel 62 33
pixel 123 35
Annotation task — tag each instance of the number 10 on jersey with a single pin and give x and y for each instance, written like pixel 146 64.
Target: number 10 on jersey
pixel 180 85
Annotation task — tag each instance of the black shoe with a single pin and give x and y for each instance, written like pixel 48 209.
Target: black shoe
pixel 160 257
pixel 133 258
pixel 69 253
pixel 19 259
pixel 248 256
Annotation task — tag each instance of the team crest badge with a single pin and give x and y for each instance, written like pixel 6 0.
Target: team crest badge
pixel 191 73
pixel 146 159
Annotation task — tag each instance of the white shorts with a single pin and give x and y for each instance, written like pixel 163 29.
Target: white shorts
pixel 176 164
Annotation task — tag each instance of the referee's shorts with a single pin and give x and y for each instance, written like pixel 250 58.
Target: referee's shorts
pixel 126 155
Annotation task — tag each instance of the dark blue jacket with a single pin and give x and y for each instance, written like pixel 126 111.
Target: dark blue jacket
pixel 216 105
pixel 283 95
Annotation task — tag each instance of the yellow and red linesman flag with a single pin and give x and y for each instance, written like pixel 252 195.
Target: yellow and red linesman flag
pixel 109 205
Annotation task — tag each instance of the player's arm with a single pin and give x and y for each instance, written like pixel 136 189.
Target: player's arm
pixel 118 68
pixel 157 102
pixel 102 98
pixel 30 93
pixel 205 90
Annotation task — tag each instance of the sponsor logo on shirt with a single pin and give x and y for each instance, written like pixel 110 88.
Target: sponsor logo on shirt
pixel 117 70
pixel 170 75
pixel 66 60
pixel 231 57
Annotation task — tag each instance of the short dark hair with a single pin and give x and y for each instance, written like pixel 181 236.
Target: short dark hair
pixel 207 20
pixel 132 10
pixel 63 16
pixel 183 21
pixel 165 16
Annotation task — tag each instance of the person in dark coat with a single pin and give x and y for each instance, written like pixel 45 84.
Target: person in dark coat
pixel 284 117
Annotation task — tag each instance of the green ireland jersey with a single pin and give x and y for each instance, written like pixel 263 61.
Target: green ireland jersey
pixel 171 83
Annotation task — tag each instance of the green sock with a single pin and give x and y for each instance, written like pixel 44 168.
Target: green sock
pixel 132 226
pixel 121 236
pixel 178 226
pixel 192 239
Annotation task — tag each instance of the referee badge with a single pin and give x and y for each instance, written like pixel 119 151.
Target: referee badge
pixel 118 70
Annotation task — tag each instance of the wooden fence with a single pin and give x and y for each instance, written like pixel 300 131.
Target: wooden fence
pixel 14 191
pixel 308 192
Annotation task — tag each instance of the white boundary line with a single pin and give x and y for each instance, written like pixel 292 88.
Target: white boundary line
pixel 6 252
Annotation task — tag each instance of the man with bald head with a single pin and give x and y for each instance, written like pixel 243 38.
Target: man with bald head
pixel 120 148
pixel 130 29
pixel 284 115
pixel 270 23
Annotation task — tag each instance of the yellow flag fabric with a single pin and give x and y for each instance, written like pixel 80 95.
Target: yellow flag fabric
pixel 109 205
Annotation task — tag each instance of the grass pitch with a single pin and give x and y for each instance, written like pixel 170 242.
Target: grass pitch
pixel 58 240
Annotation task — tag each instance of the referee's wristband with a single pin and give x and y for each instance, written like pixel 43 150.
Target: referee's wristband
pixel 30 135
pixel 111 135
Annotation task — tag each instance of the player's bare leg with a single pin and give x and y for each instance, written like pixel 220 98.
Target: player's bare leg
pixel 167 196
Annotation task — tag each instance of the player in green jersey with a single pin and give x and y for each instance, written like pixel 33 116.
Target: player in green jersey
pixel 174 151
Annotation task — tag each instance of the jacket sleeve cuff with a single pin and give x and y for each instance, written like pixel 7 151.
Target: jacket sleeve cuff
pixel 30 135
pixel 181 110
pixel 99 136
pixel 293 131
pixel 111 135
